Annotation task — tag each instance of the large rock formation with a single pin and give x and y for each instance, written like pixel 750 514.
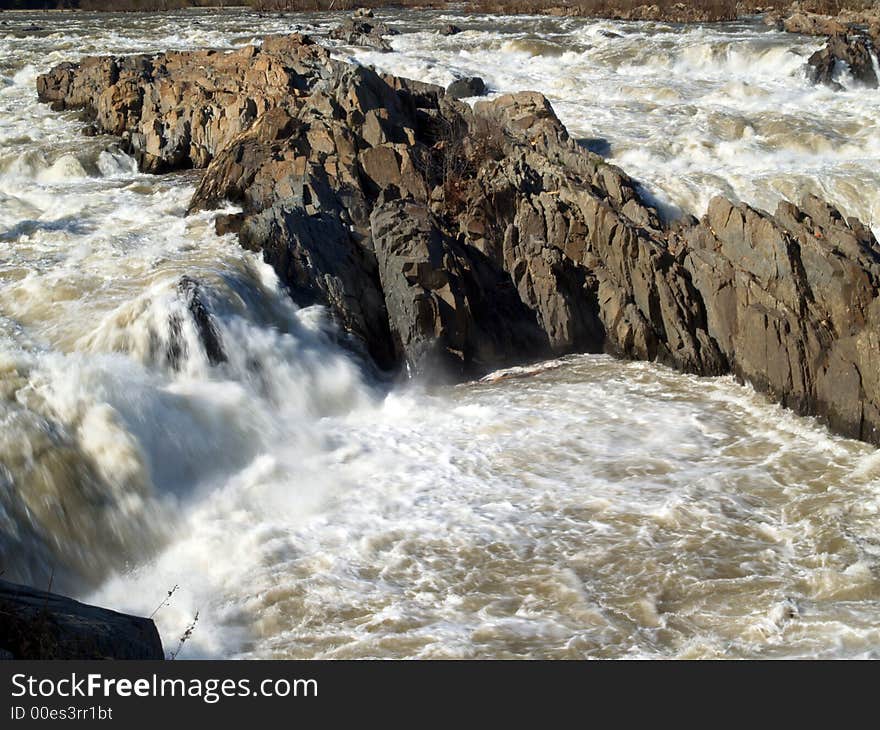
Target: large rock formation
pixel 450 240
pixel 39 625
pixel 853 49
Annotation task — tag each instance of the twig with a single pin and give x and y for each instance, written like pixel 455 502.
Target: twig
pixel 187 635
pixel 165 600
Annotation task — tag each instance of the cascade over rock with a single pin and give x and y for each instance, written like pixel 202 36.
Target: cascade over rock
pixel 451 240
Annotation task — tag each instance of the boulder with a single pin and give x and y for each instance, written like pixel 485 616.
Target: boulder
pixel 813 24
pixel 466 87
pixel 40 625
pixel 361 31
pixel 854 49
pixel 450 29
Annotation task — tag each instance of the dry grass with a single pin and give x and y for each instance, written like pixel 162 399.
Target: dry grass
pixel 701 10
pixel 820 7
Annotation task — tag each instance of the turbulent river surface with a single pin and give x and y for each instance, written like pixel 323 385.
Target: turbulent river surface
pixel 591 509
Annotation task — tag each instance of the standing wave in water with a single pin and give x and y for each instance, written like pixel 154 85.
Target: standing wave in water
pixel 306 508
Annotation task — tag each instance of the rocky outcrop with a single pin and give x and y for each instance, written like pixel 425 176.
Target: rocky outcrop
pixel 466 87
pixel 361 30
pixel 855 50
pixel 39 625
pixel 450 240
pixel 178 109
pixel 812 24
pixel 791 300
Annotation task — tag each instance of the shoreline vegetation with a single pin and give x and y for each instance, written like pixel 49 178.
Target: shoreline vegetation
pixel 700 11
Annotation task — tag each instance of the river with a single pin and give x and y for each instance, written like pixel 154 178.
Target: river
pixel 305 508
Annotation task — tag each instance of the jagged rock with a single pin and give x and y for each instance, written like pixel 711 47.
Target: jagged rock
pixel 178 109
pixel 452 311
pixel 792 302
pixel 452 240
pixel 40 625
pixel 466 88
pixel 582 248
pixel 357 31
pixel 854 49
pixel 812 24
pixel 209 334
pixel 317 258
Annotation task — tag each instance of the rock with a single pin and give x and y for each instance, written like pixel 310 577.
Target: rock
pixel 791 300
pixel 466 87
pixel 228 223
pixel 450 29
pixel 209 334
pixel 318 259
pixel 357 31
pixel 813 24
pixel 774 20
pixel 453 313
pixel 855 50
pixel 363 13
pixel 176 110
pixel 40 625
pixel 447 240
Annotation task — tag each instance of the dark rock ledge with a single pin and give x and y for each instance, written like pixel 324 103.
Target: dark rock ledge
pixel 39 625
pixel 451 240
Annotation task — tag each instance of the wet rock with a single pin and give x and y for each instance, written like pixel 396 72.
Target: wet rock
pixel 228 223
pixel 209 334
pixel 319 261
pixel 453 313
pixel 40 625
pixel 357 31
pixel 466 88
pixel 450 29
pixel 854 50
pixel 791 300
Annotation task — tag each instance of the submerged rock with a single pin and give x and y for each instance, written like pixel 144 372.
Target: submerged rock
pixel 209 335
pixel 40 625
pixel 450 240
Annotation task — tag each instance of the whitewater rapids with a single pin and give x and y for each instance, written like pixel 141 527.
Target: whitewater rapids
pixel 305 508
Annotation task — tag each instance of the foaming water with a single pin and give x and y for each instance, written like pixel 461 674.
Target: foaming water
pixel 584 507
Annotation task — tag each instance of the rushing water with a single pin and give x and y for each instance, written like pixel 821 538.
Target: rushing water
pixel 590 508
